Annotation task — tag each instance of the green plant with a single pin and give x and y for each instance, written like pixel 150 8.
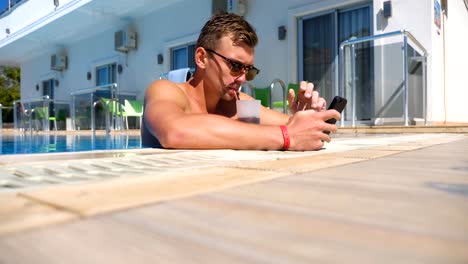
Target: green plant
pixel 10 78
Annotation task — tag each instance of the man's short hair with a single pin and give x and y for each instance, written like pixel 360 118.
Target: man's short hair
pixel 227 24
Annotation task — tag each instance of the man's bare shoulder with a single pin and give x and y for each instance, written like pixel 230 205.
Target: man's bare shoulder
pixel 165 90
pixel 163 86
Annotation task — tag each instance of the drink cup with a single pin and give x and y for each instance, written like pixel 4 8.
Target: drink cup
pixel 248 111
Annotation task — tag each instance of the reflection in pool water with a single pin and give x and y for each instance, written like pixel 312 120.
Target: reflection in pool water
pixel 25 143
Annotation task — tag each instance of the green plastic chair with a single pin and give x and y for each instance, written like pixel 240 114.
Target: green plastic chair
pixel 42 112
pixel 132 108
pixel 263 94
pixel 279 104
pixel 293 86
pixel 113 108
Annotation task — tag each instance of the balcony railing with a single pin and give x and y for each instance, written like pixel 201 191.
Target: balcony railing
pixel 384 79
pixel 87 106
pixel 35 114
pixel 9 6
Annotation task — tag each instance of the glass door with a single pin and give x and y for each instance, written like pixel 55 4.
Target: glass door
pixel 353 24
pixel 320 36
pixel 48 89
pixel 317 52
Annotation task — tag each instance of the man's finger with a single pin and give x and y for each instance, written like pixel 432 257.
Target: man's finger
pixel 309 90
pixel 291 97
pixel 329 128
pixel 321 105
pixel 302 88
pixel 315 98
pixel 329 114
pixel 325 138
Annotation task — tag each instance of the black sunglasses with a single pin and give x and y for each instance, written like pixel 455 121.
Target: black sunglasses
pixel 237 68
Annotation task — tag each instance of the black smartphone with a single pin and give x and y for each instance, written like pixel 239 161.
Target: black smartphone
pixel 338 103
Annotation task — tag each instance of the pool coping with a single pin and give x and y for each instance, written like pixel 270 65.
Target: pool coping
pixel 40 206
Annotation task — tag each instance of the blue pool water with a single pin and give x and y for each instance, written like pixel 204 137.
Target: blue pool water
pixel 25 143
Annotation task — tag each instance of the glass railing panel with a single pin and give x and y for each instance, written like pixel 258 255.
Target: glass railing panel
pixel 92 107
pixel 389 82
pixel 82 111
pixel 383 78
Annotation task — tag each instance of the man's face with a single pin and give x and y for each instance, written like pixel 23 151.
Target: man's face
pixel 220 73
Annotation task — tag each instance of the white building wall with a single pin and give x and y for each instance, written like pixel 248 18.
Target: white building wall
pixel 456 59
pixel 435 73
pixel 157 36
pixel 413 16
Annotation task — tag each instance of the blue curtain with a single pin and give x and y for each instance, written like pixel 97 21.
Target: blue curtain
pixel 319 53
pixel 105 75
pixel 354 24
pixel 183 57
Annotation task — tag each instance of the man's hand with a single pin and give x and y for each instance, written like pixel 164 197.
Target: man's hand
pixel 306 129
pixel 306 99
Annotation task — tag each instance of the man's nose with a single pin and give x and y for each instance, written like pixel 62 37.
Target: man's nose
pixel 242 78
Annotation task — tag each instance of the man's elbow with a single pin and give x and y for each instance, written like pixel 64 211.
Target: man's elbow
pixel 172 139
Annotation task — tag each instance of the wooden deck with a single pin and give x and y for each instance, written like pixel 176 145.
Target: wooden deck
pixel 403 200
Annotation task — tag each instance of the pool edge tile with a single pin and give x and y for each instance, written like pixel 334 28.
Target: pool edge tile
pixel 19 214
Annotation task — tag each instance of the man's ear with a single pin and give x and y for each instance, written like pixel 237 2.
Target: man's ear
pixel 201 57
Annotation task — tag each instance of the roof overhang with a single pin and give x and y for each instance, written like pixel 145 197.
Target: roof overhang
pixel 76 20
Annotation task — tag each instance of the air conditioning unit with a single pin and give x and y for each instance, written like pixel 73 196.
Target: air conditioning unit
pixel 125 40
pixel 58 62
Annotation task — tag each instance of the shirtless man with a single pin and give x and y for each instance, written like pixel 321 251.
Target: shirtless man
pixel 201 113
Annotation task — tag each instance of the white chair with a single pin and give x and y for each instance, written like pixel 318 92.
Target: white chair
pixel 177 76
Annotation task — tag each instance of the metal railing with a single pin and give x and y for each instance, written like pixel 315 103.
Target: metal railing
pixel 24 109
pixel 283 89
pixel 406 36
pixel 251 92
pixel 248 88
pixel 112 88
pixel 1 115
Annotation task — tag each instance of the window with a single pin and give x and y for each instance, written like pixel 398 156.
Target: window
pixel 105 74
pixel 48 88
pixel 183 57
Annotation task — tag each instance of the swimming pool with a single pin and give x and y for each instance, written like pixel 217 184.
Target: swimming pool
pixel 25 143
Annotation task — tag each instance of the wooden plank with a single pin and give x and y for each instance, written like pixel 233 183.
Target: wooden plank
pixel 302 164
pixel 122 193
pixel 18 214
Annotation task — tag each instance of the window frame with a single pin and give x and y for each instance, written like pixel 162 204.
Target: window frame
pixel 190 48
